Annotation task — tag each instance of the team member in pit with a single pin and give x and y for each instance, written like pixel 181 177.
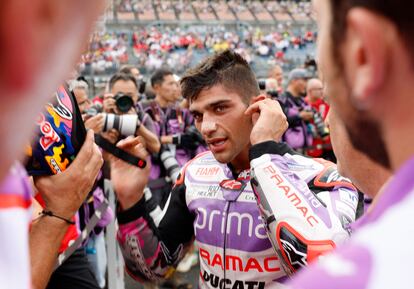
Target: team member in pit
pixel 366 54
pixel 213 199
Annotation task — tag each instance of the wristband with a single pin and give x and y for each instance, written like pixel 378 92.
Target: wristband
pixel 51 214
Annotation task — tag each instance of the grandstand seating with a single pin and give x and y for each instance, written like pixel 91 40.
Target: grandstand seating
pixel 204 10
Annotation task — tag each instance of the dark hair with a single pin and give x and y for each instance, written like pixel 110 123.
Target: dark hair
pixel 83 78
pixel 159 75
pixel 127 68
pixel 227 68
pixel 400 12
pixel 122 76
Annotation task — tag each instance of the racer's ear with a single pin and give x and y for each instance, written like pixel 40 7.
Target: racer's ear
pixel 257 98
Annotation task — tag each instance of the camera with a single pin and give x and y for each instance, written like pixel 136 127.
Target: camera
pixel 126 124
pixel 196 136
pixel 170 163
pixel 269 85
pixel 262 84
pixel 142 84
pixel 93 110
pixel 123 102
pixel 321 129
pixel 190 140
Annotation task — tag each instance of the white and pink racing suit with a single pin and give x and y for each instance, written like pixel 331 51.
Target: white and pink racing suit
pixel 218 207
pixel 379 254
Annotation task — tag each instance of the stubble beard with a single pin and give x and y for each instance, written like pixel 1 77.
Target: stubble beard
pixel 364 132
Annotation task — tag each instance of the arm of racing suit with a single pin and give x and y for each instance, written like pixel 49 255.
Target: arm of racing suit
pixel 153 241
pixel 305 204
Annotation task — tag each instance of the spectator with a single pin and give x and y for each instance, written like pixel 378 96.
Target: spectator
pixel 179 48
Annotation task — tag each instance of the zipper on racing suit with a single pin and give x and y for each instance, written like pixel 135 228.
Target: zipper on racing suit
pixel 226 209
pixel 229 201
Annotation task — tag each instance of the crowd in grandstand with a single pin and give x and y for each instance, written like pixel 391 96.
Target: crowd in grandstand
pixel 178 48
pixel 106 52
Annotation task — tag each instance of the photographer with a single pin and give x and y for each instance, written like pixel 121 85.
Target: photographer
pixel 139 78
pixel 298 113
pixel 81 91
pixel 174 128
pixel 122 117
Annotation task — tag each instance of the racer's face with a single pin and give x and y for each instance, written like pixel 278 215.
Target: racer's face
pixel 37 54
pixel 363 131
pixel 219 116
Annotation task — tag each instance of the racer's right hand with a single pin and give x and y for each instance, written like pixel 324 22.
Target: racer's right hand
pixel 64 193
pixel 129 181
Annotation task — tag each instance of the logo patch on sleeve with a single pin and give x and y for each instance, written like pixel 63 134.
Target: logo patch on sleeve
pixel 330 178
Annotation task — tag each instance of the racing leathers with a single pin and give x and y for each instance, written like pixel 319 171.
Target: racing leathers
pixel 217 207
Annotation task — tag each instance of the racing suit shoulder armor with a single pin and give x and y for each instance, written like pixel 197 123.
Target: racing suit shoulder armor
pixel 305 204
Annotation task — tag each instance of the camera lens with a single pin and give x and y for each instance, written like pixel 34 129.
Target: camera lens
pixel 170 163
pixel 123 102
pixel 262 84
